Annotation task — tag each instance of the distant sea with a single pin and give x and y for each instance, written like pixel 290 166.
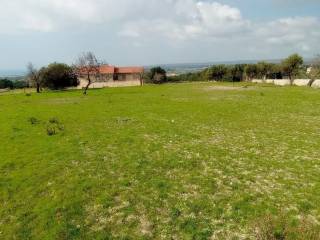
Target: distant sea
pixel 12 73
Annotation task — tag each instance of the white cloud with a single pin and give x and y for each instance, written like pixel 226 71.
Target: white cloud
pixel 190 19
pixel 302 32
pixel 184 29
pixel 48 15
pixel 173 19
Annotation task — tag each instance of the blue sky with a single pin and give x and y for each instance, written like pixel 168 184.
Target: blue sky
pixel 272 9
pixel 145 32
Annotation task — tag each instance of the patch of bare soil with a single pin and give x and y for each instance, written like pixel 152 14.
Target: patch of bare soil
pixel 229 88
pixel 63 101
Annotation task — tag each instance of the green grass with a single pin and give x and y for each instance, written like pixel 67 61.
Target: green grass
pixel 177 161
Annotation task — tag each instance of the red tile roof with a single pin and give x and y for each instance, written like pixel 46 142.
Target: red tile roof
pixel 107 69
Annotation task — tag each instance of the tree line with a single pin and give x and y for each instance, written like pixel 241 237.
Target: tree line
pixel 57 76
pixel 8 83
pixel 290 68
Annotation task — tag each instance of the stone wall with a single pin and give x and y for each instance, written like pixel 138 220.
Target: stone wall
pixel 281 82
pixel 286 82
pixel 301 82
pixel 110 83
pixel 257 80
pixel 316 84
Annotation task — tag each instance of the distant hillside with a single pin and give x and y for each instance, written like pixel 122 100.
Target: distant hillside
pixel 180 68
pixel 12 73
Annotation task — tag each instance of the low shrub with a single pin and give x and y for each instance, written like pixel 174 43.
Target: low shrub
pixel 54 126
pixel 54 120
pixel 34 120
pixel 51 130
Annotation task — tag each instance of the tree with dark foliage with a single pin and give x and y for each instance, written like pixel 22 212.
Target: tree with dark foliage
pixel 158 75
pixel 58 76
pixel 216 73
pixel 251 71
pixel 6 83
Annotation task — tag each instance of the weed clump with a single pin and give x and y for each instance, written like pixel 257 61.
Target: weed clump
pixel 285 228
pixel 54 126
pixel 124 120
pixel 51 130
pixel 34 121
pixel 54 120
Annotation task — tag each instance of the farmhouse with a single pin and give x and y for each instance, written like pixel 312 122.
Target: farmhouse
pixel 112 76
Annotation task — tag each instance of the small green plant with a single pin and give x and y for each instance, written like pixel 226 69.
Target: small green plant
pixel 54 126
pixel 28 94
pixel 34 120
pixel 51 130
pixel 54 120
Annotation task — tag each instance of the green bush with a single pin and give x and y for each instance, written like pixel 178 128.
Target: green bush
pixel 12 84
pixel 6 83
pixel 187 77
pixel 156 75
pixel 54 126
pixel 51 130
pixel 33 120
pixel 19 84
pixel 58 76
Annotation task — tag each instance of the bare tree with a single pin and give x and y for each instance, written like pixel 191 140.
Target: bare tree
pixel 87 66
pixel 314 72
pixel 34 76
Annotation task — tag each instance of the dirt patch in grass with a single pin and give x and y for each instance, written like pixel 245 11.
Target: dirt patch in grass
pixel 145 226
pixel 58 101
pixel 229 88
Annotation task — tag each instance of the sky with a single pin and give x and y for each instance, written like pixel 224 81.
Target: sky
pixel 150 32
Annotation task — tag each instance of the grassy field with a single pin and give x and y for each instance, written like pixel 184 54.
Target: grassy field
pixel 177 161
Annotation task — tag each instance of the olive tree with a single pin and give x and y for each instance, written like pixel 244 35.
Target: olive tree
pixel 216 72
pixel 251 71
pixel 237 72
pixel 291 66
pixel 264 69
pixel 58 76
pixel 156 75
